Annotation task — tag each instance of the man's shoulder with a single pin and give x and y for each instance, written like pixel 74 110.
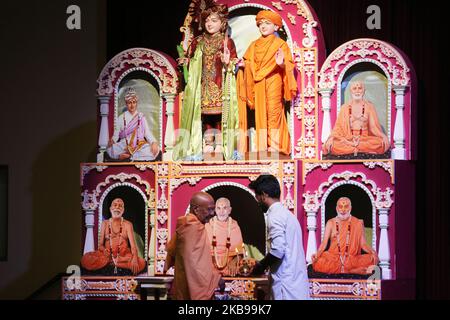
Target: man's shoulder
pixel 278 212
pixel 187 219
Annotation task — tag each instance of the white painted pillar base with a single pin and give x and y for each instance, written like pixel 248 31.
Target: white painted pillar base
pixel 104 127
pixel 89 243
pixel 169 137
pixel 399 151
pixel 384 253
pixel 326 108
pixel 312 242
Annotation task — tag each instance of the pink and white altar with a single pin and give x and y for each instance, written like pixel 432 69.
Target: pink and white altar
pixel 384 187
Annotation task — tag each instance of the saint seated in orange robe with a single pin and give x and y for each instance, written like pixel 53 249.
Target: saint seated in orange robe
pixel 357 129
pixel 225 238
pixel 117 246
pixel 347 242
pixel 267 79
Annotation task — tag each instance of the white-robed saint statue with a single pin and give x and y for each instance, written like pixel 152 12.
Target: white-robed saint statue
pixel 132 140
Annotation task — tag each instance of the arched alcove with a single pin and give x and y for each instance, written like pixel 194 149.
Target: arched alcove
pixel 246 212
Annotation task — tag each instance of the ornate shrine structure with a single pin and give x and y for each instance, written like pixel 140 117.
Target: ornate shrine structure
pixel 382 187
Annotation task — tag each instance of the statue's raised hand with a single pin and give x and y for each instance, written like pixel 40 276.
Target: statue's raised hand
pixel 279 58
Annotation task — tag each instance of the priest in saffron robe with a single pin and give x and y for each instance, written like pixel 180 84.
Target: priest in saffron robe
pixel 190 252
pixel 225 237
pixel 347 242
pixel 357 129
pixel 267 80
pixel 117 245
pixel 132 140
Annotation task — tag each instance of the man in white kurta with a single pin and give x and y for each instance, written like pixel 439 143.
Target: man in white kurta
pixel 285 257
pixel 132 139
pixel 290 279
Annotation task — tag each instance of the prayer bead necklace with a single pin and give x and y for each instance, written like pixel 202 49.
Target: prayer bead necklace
pixel 110 242
pixel 342 258
pixel 361 117
pixel 214 243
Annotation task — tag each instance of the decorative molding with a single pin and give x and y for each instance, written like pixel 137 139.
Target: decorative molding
pixel 163 203
pixel 291 18
pixel 312 203
pixel 298 104
pixel 308 167
pixel 162 217
pixel 138 57
pixel 175 183
pixel 387 166
pixel 277 5
pixel 370 50
pixel 299 148
pixel 345 289
pixel 241 288
pixel 119 285
pixel 89 202
pixel 310 38
pixel 383 198
pixel 288 201
pixel 85 169
pixel 162 236
pixel 163 169
pixel 146 166
pixel 122 177
pixel 302 8
pixel 347 176
pixel 179 169
pixel 229 183
pixel 120 288
pixel 289 168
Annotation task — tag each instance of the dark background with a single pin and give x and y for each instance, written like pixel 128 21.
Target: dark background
pixel 48 117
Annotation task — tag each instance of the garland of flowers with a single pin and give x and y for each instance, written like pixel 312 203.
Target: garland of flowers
pixel 110 243
pixel 214 243
pixel 347 244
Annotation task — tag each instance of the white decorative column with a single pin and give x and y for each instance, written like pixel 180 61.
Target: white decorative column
pixel 311 207
pixel 103 136
pixel 312 242
pixel 89 206
pixel 326 108
pixel 151 247
pixel 384 253
pixel 169 137
pixel 399 151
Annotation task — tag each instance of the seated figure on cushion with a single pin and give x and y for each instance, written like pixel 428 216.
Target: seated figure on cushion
pixel 132 140
pixel 225 237
pixel 357 129
pixel 117 245
pixel 347 242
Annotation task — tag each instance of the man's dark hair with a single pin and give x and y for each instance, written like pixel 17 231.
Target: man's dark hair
pixel 268 184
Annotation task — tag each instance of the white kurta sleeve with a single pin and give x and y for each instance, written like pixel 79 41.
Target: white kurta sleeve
pixel 119 127
pixel 277 234
pixel 147 134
